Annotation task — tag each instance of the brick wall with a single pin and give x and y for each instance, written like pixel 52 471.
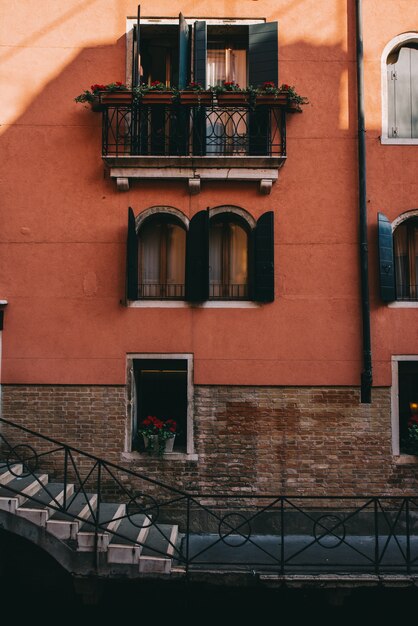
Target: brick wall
pixel 306 441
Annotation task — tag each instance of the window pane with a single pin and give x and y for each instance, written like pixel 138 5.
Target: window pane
pixel 162 252
pixel 228 260
pixel 176 255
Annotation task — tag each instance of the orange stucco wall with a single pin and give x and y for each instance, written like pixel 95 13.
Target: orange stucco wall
pixel 63 225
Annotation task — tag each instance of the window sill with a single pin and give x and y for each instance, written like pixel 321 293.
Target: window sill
pixel 168 456
pixel 182 304
pixel 390 141
pixel 263 169
pixel 403 304
pixel 405 459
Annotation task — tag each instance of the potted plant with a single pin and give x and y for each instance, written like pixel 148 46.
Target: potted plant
pixel 294 99
pixel 154 93
pixel 195 94
pixel 410 441
pixel 269 93
pixel 229 93
pixel 158 434
pixel 98 95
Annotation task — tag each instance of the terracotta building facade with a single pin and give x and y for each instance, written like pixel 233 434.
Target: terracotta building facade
pixel 201 261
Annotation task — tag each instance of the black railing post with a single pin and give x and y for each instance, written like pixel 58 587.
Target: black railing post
pixel 97 515
pixel 376 537
pixel 408 538
pixel 282 535
pixel 64 502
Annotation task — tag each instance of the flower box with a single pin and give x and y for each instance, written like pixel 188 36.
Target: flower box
pixel 232 98
pixel 196 98
pixel 272 99
pixel 157 97
pixel 116 97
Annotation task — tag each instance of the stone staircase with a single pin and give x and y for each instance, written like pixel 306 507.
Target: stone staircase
pixel 125 538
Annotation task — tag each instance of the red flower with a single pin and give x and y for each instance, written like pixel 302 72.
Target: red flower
pixel 285 87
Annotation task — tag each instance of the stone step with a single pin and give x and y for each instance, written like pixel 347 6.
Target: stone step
pixel 65 525
pixel 125 546
pixel 17 490
pixel 157 553
pixel 7 474
pixel 110 516
pixel 44 503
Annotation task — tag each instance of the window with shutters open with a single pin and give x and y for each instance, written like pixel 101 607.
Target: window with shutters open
pixel 398 258
pixel 222 256
pixel 400 90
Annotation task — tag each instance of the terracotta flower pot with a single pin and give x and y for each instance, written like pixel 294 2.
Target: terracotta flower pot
pixel 272 99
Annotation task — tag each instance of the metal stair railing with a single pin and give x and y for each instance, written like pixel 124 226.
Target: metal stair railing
pixel 240 532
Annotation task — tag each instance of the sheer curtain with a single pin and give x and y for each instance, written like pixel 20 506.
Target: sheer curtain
pixel 406 260
pixel 228 260
pixel 224 130
pixel 162 254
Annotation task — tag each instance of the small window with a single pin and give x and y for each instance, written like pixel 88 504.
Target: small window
pixel 408 405
pixel 405 240
pixel 228 258
pixel 161 258
pixel 161 387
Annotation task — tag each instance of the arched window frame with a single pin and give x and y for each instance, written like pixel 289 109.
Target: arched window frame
pixel 232 215
pixel 396 42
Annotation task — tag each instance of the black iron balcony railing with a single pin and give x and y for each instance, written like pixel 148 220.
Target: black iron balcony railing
pixel 168 291
pixel 261 533
pixel 184 130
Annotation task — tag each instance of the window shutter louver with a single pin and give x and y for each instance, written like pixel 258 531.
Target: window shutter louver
pixel 263 56
pixel 197 258
pixel 183 52
pixel 131 259
pixel 386 264
pixel 200 52
pixel 263 238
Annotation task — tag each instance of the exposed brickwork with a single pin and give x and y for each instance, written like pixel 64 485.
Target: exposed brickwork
pixel 307 441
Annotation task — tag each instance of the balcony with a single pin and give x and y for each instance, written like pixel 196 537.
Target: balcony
pixel 239 141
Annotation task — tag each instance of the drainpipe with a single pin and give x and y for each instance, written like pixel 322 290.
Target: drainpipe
pixel 366 374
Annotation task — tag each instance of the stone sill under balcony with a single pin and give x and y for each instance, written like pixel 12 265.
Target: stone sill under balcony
pixel 194 169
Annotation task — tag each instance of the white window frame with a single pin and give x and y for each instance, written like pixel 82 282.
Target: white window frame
pixel 394 43
pixel 129 454
pixel 395 405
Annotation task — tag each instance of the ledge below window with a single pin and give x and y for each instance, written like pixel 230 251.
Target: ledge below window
pixel 405 459
pixel 263 170
pixel 168 456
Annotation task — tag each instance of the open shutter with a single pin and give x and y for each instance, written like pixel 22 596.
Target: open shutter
pixel 136 51
pixel 131 259
pixel 197 258
pixel 263 56
pixel 200 53
pixel 414 91
pixel 184 63
pixel 263 288
pixel 386 264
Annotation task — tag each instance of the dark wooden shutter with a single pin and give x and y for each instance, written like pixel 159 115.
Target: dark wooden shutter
pixel 263 238
pixel 184 62
pixel 386 264
pixel 136 50
pixel 131 259
pixel 197 258
pixel 263 56
pixel 200 52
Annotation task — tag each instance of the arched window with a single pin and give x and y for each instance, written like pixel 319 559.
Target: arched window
pixel 228 257
pixel 161 257
pixel 405 247
pixel 402 90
